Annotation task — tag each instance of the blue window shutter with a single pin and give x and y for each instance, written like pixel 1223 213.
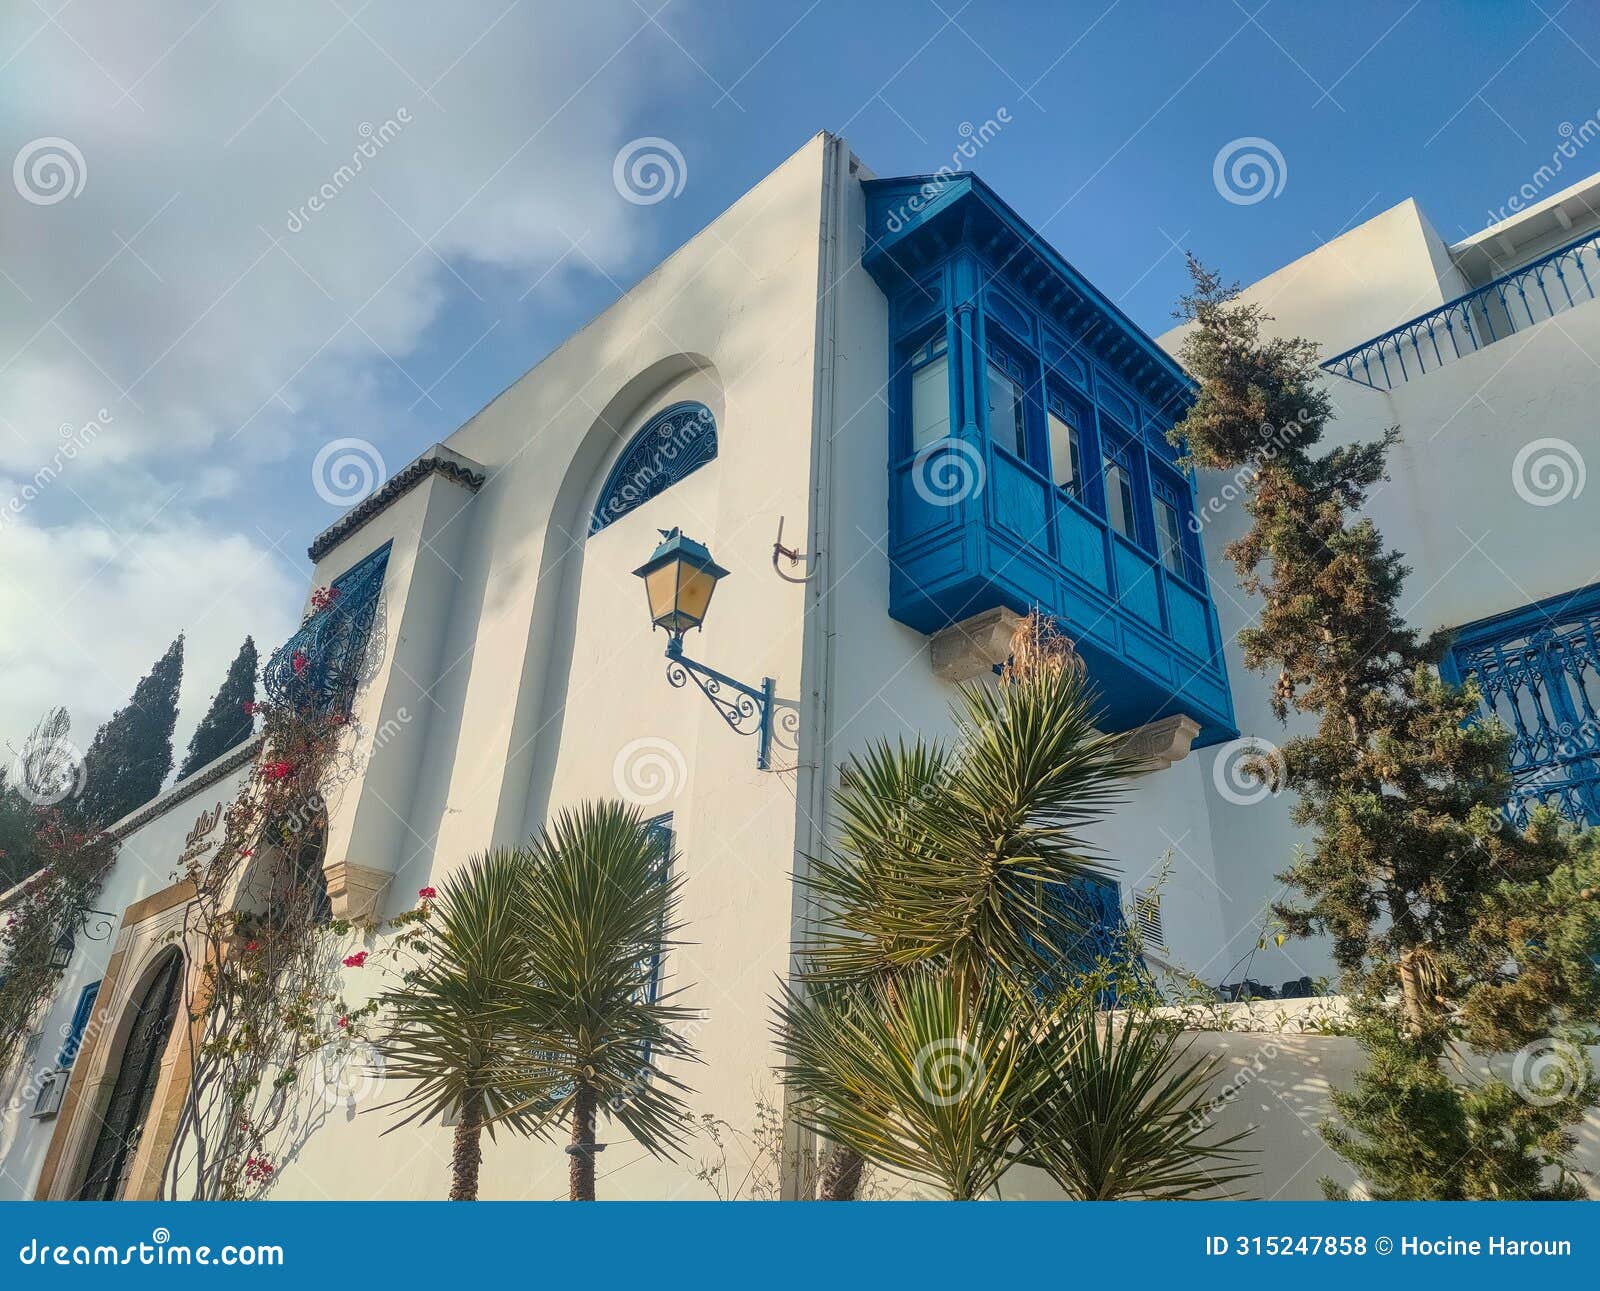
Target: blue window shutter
pixel 79 1023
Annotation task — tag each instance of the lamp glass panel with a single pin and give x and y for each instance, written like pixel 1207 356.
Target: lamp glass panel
pixel 661 590
pixel 694 594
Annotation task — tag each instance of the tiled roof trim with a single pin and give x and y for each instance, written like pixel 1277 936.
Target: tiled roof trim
pixel 394 487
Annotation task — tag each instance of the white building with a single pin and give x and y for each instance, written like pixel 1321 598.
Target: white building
pixel 949 424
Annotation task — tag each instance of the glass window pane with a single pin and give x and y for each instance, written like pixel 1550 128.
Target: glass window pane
pixel 1005 413
pixel 930 404
pixel 1066 455
pixel 1119 499
pixel 1169 535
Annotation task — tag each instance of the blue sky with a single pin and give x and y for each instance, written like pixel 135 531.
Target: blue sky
pixel 227 347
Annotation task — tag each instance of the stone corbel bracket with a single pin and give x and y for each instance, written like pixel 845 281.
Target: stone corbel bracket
pixel 975 647
pixel 356 891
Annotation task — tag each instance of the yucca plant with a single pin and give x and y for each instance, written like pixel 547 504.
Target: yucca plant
pixel 945 852
pixel 945 889
pixel 598 903
pixel 931 1078
pixel 1127 1114
pixel 449 1027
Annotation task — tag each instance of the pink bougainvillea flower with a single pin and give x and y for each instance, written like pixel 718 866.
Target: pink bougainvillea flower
pixel 254 945
pixel 298 662
pixel 276 770
pixel 356 960
pixel 344 1021
pixel 427 894
pixel 250 706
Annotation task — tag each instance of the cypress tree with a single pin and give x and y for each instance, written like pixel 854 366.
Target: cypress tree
pixel 227 722
pixel 131 754
pixel 1442 916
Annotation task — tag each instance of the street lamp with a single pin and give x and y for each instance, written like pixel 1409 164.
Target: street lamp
pixel 61 952
pixel 679 580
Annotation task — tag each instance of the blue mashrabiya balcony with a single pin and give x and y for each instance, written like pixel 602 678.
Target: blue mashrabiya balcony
pixel 1028 462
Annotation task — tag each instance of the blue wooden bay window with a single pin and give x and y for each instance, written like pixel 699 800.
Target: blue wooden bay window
pixel 1538 669
pixel 1028 464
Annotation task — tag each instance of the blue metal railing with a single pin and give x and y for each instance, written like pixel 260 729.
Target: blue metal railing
pixel 1538 290
pixel 320 666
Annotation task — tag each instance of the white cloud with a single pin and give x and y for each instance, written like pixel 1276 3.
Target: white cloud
pixel 172 292
pixel 99 611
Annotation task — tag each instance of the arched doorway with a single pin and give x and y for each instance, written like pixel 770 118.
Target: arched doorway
pixel 135 1086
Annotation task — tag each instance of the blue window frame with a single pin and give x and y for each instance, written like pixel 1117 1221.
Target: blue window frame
pixel 1174 537
pixel 675 442
pixel 1068 431
pixel 660 831
pixel 78 1025
pixel 1085 926
pixel 1119 475
pixel 1007 394
pixel 1538 669
pixel 926 394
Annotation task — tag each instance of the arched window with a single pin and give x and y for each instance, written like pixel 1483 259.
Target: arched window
pixel 676 441
pixel 135 1086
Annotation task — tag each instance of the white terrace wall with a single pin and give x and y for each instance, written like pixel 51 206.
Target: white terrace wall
pixel 1276 1084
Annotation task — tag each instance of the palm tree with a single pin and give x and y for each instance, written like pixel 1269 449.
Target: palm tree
pixel 953 862
pixel 449 1028
pixel 599 902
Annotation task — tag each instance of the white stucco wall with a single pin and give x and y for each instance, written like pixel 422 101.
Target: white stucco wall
pixel 146 862
pixel 550 686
